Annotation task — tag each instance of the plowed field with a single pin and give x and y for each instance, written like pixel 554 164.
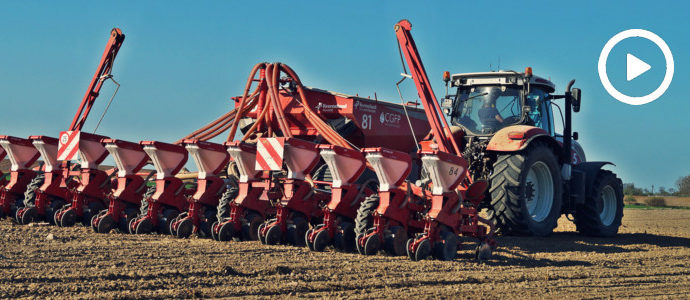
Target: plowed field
pixel 650 258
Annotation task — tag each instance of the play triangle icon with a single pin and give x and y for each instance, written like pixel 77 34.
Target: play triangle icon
pixel 636 67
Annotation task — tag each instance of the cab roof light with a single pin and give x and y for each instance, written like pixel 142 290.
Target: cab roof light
pixel 528 71
pixel 446 76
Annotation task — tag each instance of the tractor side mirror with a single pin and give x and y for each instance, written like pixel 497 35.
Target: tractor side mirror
pixel 576 97
pixel 576 135
pixel 447 105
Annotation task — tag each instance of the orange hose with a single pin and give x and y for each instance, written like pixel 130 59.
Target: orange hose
pixel 322 128
pixel 278 109
pixel 258 121
pixel 268 89
pixel 256 67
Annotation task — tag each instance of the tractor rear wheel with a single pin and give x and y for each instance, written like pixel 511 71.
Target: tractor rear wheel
pixel 230 193
pixel 602 211
pixel 526 191
pixel 365 219
pixel 30 193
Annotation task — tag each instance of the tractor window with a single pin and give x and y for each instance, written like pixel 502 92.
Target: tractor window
pixel 537 109
pixel 487 109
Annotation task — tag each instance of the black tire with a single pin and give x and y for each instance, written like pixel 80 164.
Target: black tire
pixel 364 219
pixel 69 218
pixel 205 227
pixel 91 210
pixel 144 227
pixel 223 208
pixel 446 249
pixel 321 241
pixel 226 232
pixel 250 226
pixel 344 239
pixel 322 173
pixel 510 192
pixel 28 215
pixel 588 218
pixel 185 228
pixel 51 210
pixel 306 239
pixel 296 230
pixel 372 245
pixel 273 236
pixel 169 214
pixel 30 193
pixel 105 224
pixel 423 251
pixel 144 204
pixel 129 215
pixel 394 241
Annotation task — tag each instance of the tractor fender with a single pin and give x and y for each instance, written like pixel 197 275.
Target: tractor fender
pixel 590 170
pixel 518 137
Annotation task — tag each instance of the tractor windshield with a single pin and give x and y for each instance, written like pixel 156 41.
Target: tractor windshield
pixel 486 109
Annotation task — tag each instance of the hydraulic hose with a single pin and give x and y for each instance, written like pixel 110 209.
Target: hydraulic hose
pixel 258 66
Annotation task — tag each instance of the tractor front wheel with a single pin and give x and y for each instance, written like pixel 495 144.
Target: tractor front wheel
pixel 602 212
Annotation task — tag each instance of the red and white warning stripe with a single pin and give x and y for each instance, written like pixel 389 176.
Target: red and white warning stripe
pixel 269 154
pixel 68 145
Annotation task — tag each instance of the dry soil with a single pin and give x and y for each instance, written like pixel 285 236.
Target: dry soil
pixel 650 258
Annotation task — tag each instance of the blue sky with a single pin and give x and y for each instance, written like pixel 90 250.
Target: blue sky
pixel 182 60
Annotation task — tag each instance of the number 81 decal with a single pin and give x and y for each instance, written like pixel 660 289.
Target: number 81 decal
pixel 366 121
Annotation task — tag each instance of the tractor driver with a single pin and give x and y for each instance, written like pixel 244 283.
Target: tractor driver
pixel 488 114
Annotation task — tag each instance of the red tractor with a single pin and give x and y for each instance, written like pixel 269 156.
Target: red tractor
pixel 505 122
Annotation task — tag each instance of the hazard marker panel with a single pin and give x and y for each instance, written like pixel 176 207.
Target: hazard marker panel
pixel 68 146
pixel 269 154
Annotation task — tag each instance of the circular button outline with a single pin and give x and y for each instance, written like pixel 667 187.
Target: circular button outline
pixel 659 42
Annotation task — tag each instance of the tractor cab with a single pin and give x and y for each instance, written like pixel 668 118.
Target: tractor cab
pixel 486 102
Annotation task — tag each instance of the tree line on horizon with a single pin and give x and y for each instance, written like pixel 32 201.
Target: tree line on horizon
pixel 681 188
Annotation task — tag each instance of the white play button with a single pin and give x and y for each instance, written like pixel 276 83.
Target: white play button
pixel 636 67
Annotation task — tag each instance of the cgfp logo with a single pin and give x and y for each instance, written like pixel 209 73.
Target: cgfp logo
pixel 389 119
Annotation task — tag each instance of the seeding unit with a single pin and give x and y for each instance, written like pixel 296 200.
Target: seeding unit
pixel 22 156
pixel 126 196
